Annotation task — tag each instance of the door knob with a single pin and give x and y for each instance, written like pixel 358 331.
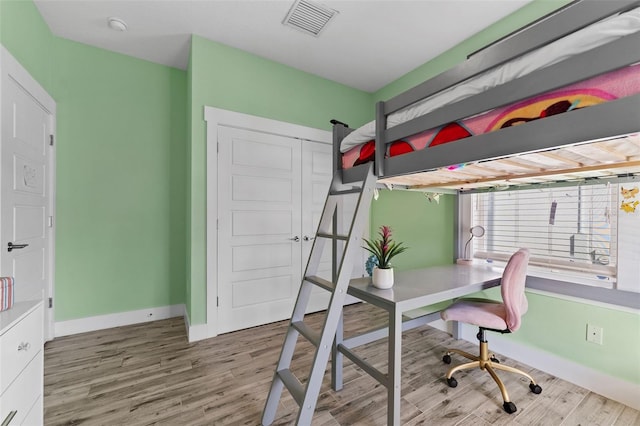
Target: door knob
pixel 296 239
pixel 11 246
pixel 307 238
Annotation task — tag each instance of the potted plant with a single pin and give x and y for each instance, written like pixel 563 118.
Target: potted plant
pixel 384 249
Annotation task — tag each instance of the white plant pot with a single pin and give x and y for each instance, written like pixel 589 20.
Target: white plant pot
pixel 382 278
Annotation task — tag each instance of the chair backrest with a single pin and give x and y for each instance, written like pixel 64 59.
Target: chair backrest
pixel 512 288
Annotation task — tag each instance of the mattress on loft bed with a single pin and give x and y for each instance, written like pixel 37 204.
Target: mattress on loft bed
pixel 614 85
pixel 358 146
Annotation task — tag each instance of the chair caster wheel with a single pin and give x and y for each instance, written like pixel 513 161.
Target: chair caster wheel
pixel 494 359
pixel 535 388
pixel 510 407
pixel 446 359
pixel 452 382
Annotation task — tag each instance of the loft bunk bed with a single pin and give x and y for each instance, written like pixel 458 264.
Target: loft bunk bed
pixel 585 122
pixel 557 100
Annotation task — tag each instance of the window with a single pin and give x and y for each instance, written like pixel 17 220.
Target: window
pixel 571 231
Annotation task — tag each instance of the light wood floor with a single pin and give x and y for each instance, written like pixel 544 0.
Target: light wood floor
pixel 149 374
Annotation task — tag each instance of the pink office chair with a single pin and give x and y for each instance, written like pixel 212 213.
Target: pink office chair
pixel 494 316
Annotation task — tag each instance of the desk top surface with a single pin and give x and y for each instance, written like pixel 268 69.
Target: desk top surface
pixel 421 287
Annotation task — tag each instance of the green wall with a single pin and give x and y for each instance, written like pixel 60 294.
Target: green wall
pixel 553 324
pixel 426 227
pixel 228 78
pixel 559 326
pixel 121 170
pixel 25 34
pixel 120 182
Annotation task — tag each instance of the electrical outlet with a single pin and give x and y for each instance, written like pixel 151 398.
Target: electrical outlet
pixel 594 334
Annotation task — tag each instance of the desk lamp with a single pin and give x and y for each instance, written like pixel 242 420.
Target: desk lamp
pixel 476 231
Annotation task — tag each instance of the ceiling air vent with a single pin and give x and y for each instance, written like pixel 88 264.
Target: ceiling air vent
pixel 309 17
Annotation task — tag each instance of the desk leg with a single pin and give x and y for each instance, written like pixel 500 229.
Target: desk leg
pixel 337 357
pixel 394 368
pixel 457 330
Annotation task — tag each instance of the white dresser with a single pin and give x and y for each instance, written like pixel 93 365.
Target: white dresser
pixel 21 364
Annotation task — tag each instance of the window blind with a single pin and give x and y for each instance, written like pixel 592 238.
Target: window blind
pixel 570 229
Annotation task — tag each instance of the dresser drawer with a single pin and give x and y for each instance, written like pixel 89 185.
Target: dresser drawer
pixel 23 393
pixel 19 345
pixel 34 417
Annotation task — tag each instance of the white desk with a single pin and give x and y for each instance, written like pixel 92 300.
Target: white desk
pixel 412 290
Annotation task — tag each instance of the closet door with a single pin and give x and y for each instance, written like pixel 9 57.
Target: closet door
pixel 259 224
pixel 271 192
pixel 316 179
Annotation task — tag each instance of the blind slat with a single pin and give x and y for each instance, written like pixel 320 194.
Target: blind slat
pixel 571 228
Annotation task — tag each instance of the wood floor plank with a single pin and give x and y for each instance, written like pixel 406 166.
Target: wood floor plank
pixel 553 405
pixel 472 420
pixel 149 374
pixel 595 410
pixel 628 417
pixel 180 417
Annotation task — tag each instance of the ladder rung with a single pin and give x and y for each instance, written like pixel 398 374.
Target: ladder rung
pixel 310 334
pixel 331 236
pixel 354 190
pixel 292 383
pixel 321 282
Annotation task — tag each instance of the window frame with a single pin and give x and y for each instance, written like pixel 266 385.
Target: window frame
pixel 546 283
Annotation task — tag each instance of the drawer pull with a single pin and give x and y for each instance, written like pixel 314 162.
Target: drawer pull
pixel 24 346
pixel 9 417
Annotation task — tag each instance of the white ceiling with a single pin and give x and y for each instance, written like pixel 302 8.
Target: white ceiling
pixel 368 45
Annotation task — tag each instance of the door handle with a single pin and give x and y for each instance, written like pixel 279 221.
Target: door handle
pixel 307 238
pixel 296 239
pixel 9 417
pixel 11 246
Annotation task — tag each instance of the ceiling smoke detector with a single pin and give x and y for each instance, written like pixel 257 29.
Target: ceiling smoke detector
pixel 309 17
pixel 117 24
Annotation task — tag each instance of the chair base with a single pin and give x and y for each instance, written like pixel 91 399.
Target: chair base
pixel 489 363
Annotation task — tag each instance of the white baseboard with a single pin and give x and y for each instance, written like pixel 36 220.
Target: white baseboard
pixel 588 378
pixel 100 322
pixel 196 332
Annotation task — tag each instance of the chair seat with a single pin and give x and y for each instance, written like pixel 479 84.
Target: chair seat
pixel 482 313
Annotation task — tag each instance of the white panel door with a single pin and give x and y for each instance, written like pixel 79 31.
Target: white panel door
pixel 259 223
pixel 316 179
pixel 25 199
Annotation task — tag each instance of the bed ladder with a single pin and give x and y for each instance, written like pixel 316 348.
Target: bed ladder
pixel 306 395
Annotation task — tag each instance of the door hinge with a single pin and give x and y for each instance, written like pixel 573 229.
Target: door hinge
pixel 217 223
pixel 51 137
pixel 218 147
pixel 51 302
pixel 50 221
pixel 217 301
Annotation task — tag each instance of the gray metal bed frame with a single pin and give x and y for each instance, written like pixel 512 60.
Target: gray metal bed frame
pixel 610 119
pixel 606 120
